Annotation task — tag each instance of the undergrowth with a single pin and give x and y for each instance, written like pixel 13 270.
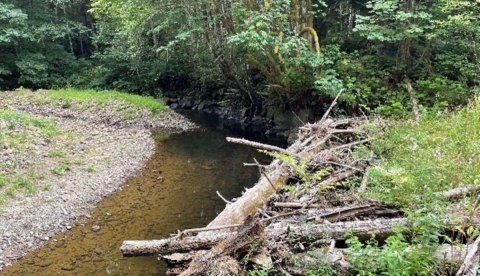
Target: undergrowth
pixel 440 153
pixel 418 161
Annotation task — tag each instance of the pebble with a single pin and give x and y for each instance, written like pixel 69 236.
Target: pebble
pixel 96 228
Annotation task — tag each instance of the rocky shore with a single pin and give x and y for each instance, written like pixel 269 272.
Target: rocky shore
pixel 66 175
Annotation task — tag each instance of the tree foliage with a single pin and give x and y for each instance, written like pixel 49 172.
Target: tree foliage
pixel 41 42
pixel 283 53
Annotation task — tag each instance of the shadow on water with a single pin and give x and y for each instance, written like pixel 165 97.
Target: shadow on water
pixel 176 190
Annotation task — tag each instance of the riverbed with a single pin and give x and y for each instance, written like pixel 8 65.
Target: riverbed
pixel 176 190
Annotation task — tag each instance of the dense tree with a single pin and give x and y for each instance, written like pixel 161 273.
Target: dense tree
pixel 388 55
pixel 40 41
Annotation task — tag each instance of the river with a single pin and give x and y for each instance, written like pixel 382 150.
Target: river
pixel 175 191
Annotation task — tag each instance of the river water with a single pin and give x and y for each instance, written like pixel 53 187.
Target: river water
pixel 175 191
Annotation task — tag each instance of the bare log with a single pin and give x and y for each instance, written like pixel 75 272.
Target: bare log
pixel 467 268
pixel 461 191
pixel 176 259
pixel 258 145
pixel 416 112
pixel 278 230
pixel 337 231
pixel 235 213
pixel 170 245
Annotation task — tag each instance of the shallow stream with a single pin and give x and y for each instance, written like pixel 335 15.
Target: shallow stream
pixel 176 190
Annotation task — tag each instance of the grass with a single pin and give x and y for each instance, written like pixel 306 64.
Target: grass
pixel 18 131
pixel 438 154
pixel 22 135
pixel 14 122
pixel 417 161
pixel 90 168
pixel 56 153
pixel 84 99
pixel 62 168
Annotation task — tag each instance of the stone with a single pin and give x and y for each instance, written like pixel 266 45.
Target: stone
pixel 96 228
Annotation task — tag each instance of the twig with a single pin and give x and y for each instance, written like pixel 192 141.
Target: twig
pixel 307 141
pixel 364 183
pixel 351 144
pixel 294 205
pixel 281 215
pixel 252 165
pixel 331 107
pixel 303 123
pixel 226 201
pixel 345 166
pixel 198 230
pixel 262 171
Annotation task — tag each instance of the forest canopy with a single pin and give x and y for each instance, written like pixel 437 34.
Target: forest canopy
pixel 386 55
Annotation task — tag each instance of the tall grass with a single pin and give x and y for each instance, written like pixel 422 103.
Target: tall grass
pixel 440 153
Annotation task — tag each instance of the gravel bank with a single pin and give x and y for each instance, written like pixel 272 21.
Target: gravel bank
pixel 101 150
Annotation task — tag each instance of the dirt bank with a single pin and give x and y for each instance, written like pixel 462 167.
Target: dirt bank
pixel 62 176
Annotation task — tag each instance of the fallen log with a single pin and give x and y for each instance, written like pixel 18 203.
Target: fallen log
pixel 382 228
pixel 467 268
pixel 460 191
pixel 258 145
pixel 170 245
pixel 275 231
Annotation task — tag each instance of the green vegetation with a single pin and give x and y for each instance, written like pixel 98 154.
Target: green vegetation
pixel 275 54
pixel 18 131
pixel 90 99
pixel 56 153
pixel 90 168
pixel 62 168
pixel 418 162
pixel 14 122
pixel 408 252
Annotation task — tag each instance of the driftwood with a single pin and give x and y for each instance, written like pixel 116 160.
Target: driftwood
pixel 258 145
pixel 461 191
pixel 171 245
pixel 362 229
pixel 277 173
pixel 467 268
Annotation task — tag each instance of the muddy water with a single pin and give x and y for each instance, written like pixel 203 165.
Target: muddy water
pixel 176 190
